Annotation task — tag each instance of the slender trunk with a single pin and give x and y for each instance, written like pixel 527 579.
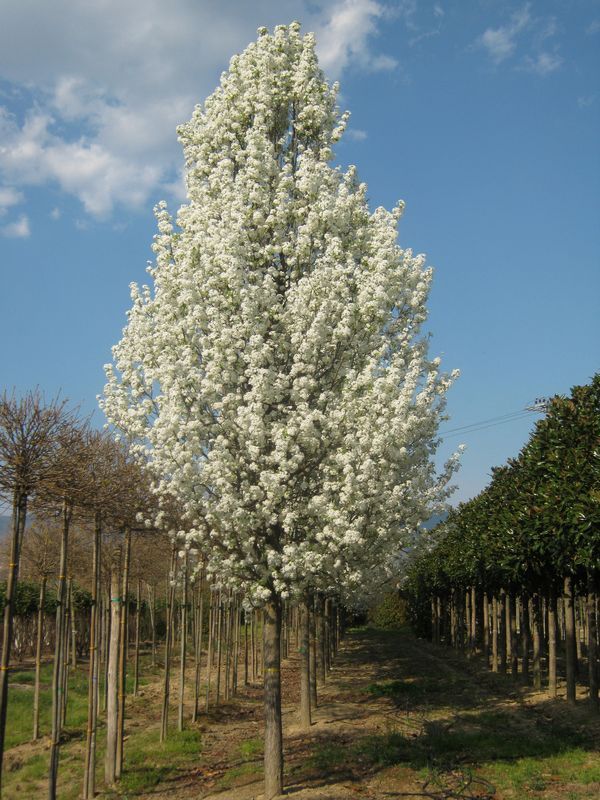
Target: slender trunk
pixel 182 652
pixel 525 637
pixel 592 626
pixel 502 631
pixel 552 683
pixel 313 652
pixel 38 660
pixel 486 628
pixel 18 526
pixel 236 646
pixel 537 641
pixel 211 614
pixel 474 625
pixel 245 648
pixel 512 627
pixel 198 650
pixel 494 634
pixel 89 779
pixel 164 722
pixel 152 611
pixel 320 626
pixel 138 608
pixel 73 625
pixel 112 682
pixel 107 631
pixel 506 612
pixel 228 622
pixel 219 645
pixel 273 758
pixel 123 648
pixel 58 672
pixel 303 649
pixel 65 656
pixel 253 644
pixel 570 647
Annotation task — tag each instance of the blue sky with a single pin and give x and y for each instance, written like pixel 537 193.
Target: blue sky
pixel 483 116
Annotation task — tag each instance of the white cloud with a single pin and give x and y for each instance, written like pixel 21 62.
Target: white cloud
pixel 543 63
pixel 17 230
pixel 98 175
pixel 343 40
pixel 528 34
pixel 9 197
pixel 587 100
pixel 56 213
pixel 356 134
pixel 500 43
pixel 109 82
pixel 593 27
pixel 438 11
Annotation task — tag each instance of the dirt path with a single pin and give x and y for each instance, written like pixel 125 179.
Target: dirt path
pixel 401 718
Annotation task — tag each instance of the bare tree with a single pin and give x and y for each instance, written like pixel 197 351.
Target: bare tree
pixel 29 436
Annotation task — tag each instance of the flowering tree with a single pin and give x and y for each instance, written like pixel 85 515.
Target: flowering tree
pixel 276 378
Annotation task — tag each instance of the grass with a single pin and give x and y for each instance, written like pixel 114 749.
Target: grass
pixel 488 746
pixel 147 761
pixel 250 751
pixel 453 736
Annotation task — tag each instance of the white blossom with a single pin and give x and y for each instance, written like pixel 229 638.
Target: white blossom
pixel 276 376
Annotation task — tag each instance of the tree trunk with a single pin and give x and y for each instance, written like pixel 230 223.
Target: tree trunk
pixel 65 655
pixel 552 682
pixel 138 608
pixel 89 778
pixel 486 628
pixel 525 637
pixel 303 649
pixel 273 759
pixel 537 642
pixel 182 653
pixel 474 620
pixel 112 683
pixel 198 649
pixel 73 625
pixel 164 721
pixel 570 646
pixel 58 672
pixel 236 646
pixel 512 629
pixel 592 626
pixel 494 634
pixel 246 661
pixel 219 645
pixel 313 652
pixel 107 617
pixel 18 526
pixel 152 611
pixel 38 660
pixel 502 632
pixel 211 614
pixel 123 648
pixel 320 625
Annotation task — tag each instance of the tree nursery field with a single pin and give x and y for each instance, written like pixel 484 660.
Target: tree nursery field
pixel 397 717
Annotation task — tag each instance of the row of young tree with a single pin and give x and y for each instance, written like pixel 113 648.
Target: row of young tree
pixel 521 560
pixel 54 467
pixel 84 572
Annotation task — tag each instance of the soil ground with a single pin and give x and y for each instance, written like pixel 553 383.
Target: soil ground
pixel 397 717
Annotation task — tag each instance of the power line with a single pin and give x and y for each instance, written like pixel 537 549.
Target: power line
pixel 539 406
pixel 492 420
